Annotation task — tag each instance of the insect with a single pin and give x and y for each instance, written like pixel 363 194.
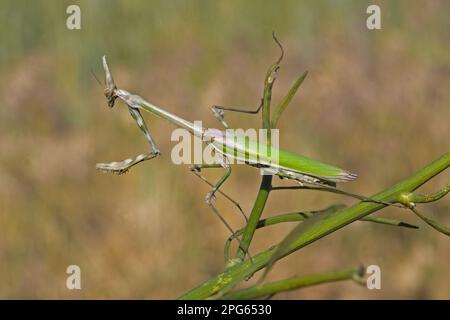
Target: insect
pixel 227 147
pixel 291 165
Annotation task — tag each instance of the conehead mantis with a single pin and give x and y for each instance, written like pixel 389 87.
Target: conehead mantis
pixel 228 147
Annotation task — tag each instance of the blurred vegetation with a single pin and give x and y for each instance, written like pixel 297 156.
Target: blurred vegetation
pixel 375 102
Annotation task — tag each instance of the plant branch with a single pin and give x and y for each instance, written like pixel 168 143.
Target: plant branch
pixel 337 191
pixel 272 288
pixel 225 281
pixel 255 216
pixel 424 198
pixel 303 215
pixel 434 224
pixel 287 99
pixel 266 181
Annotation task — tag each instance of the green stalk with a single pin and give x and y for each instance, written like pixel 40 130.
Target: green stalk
pixel 272 288
pixel 266 181
pixel 303 215
pixel 255 215
pixel 287 99
pixel 424 198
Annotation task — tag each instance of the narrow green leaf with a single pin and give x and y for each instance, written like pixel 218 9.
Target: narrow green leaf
pixel 390 222
pixel 434 224
pixel 285 244
pixel 287 99
pixel 302 215
pixel 286 217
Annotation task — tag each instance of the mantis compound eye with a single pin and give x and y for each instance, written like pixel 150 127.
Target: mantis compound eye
pixel 110 96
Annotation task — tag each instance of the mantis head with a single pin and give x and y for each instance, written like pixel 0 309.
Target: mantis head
pixel 110 86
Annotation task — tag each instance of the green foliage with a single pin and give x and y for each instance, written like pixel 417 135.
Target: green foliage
pixel 311 229
pixel 272 288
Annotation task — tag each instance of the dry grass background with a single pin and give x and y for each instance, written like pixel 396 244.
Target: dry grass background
pixel 375 102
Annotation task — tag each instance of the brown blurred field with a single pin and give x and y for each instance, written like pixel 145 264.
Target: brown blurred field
pixel 374 102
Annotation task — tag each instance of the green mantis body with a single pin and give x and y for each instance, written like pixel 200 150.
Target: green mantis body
pixel 288 165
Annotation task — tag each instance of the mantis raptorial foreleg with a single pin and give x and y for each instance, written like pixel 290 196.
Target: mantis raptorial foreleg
pixel 218 112
pixel 196 170
pixel 125 165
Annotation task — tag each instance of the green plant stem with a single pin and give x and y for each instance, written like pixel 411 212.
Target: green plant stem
pixel 287 217
pixel 293 284
pixel 255 215
pixel 334 190
pixel 390 222
pixel 424 198
pixel 233 275
pixel 266 181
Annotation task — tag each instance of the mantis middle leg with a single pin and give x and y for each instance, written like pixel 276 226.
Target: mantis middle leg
pixel 219 114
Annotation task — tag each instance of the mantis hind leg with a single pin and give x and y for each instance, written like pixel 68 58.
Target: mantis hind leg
pixel 210 196
pixel 219 114
pixel 196 168
pixel 123 166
